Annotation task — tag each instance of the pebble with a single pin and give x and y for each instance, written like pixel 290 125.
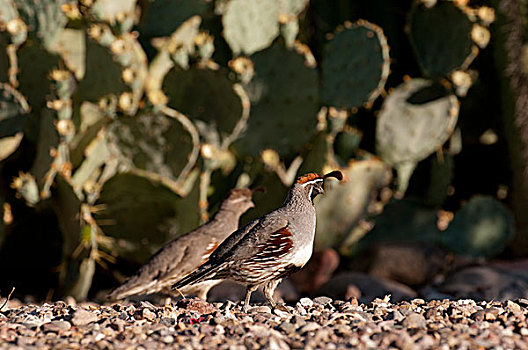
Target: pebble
pixel 323 301
pixel 439 324
pixel 82 317
pixel 414 320
pixel 56 326
pixel 306 302
pixel 260 309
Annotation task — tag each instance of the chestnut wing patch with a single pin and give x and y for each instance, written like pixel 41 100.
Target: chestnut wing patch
pixel 278 245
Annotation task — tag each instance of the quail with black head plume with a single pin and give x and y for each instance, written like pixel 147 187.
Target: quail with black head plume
pixel 268 248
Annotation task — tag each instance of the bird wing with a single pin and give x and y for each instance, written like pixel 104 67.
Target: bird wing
pixel 241 244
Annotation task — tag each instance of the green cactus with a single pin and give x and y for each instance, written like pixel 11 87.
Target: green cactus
pixel 346 144
pixel 344 204
pixel 153 143
pixel 13 117
pixel 407 133
pixel 71 47
pixel 120 14
pixel 356 65
pixel 250 25
pixel 116 67
pixel 139 214
pixel 162 17
pixel 33 78
pixel 4 58
pixel 483 227
pixel 44 18
pixel 440 37
pixel 204 95
pixel 284 101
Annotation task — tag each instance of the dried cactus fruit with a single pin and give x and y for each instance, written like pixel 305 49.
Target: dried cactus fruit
pixel 345 203
pixel 440 37
pixel 250 25
pixel 284 101
pixel 407 133
pixel 356 65
pixel 483 227
pixel 44 17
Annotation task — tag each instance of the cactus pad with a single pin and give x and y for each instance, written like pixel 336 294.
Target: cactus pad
pixel 117 13
pixel 44 18
pixel 483 227
pixel 355 65
pixel 250 25
pixel 33 78
pixel 407 133
pixel 13 117
pixel 440 37
pixel 204 95
pixel 284 101
pixel 152 142
pixel 345 203
pixel 162 17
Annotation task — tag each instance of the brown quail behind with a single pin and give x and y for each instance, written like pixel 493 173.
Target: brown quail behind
pixel 185 253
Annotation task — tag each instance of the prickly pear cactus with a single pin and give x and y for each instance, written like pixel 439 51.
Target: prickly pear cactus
pixel 344 204
pixel 205 95
pixel 154 143
pixel 136 205
pixel 284 101
pixel 483 227
pixel 407 133
pixel 162 17
pixel 440 37
pixel 45 18
pixel 4 58
pixel 33 78
pixel 356 65
pixel 250 25
pixel 13 117
pixel 120 14
pixel 116 67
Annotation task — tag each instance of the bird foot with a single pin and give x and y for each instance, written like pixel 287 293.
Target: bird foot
pixel 280 306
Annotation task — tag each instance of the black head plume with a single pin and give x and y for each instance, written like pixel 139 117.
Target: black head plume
pixel 336 174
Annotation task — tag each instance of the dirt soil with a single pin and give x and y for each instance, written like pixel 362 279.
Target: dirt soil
pixel 320 323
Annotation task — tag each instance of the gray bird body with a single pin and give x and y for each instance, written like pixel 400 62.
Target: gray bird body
pixel 185 253
pixel 268 248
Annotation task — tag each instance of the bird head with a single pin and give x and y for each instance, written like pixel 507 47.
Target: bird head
pixel 312 184
pixel 240 199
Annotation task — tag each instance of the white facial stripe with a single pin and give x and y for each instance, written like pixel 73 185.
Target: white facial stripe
pixel 237 200
pixel 310 194
pixel 311 182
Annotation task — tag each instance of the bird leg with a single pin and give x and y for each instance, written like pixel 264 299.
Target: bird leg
pixel 269 289
pixel 249 290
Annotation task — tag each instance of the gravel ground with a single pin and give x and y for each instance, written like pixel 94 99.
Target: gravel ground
pixel 311 323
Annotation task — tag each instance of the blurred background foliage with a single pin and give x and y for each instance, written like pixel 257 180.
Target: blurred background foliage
pixel 123 123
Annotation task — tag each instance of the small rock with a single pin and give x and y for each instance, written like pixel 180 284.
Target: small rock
pixel 309 327
pixel 260 309
pixel 306 302
pixel 414 320
pixel 287 327
pixel 396 316
pixel 168 339
pixel 56 326
pixel 167 321
pixel 149 315
pixel 513 306
pixel 298 320
pixel 323 301
pixel 82 317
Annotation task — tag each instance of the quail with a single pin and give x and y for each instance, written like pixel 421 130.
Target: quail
pixel 268 248
pixel 185 253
